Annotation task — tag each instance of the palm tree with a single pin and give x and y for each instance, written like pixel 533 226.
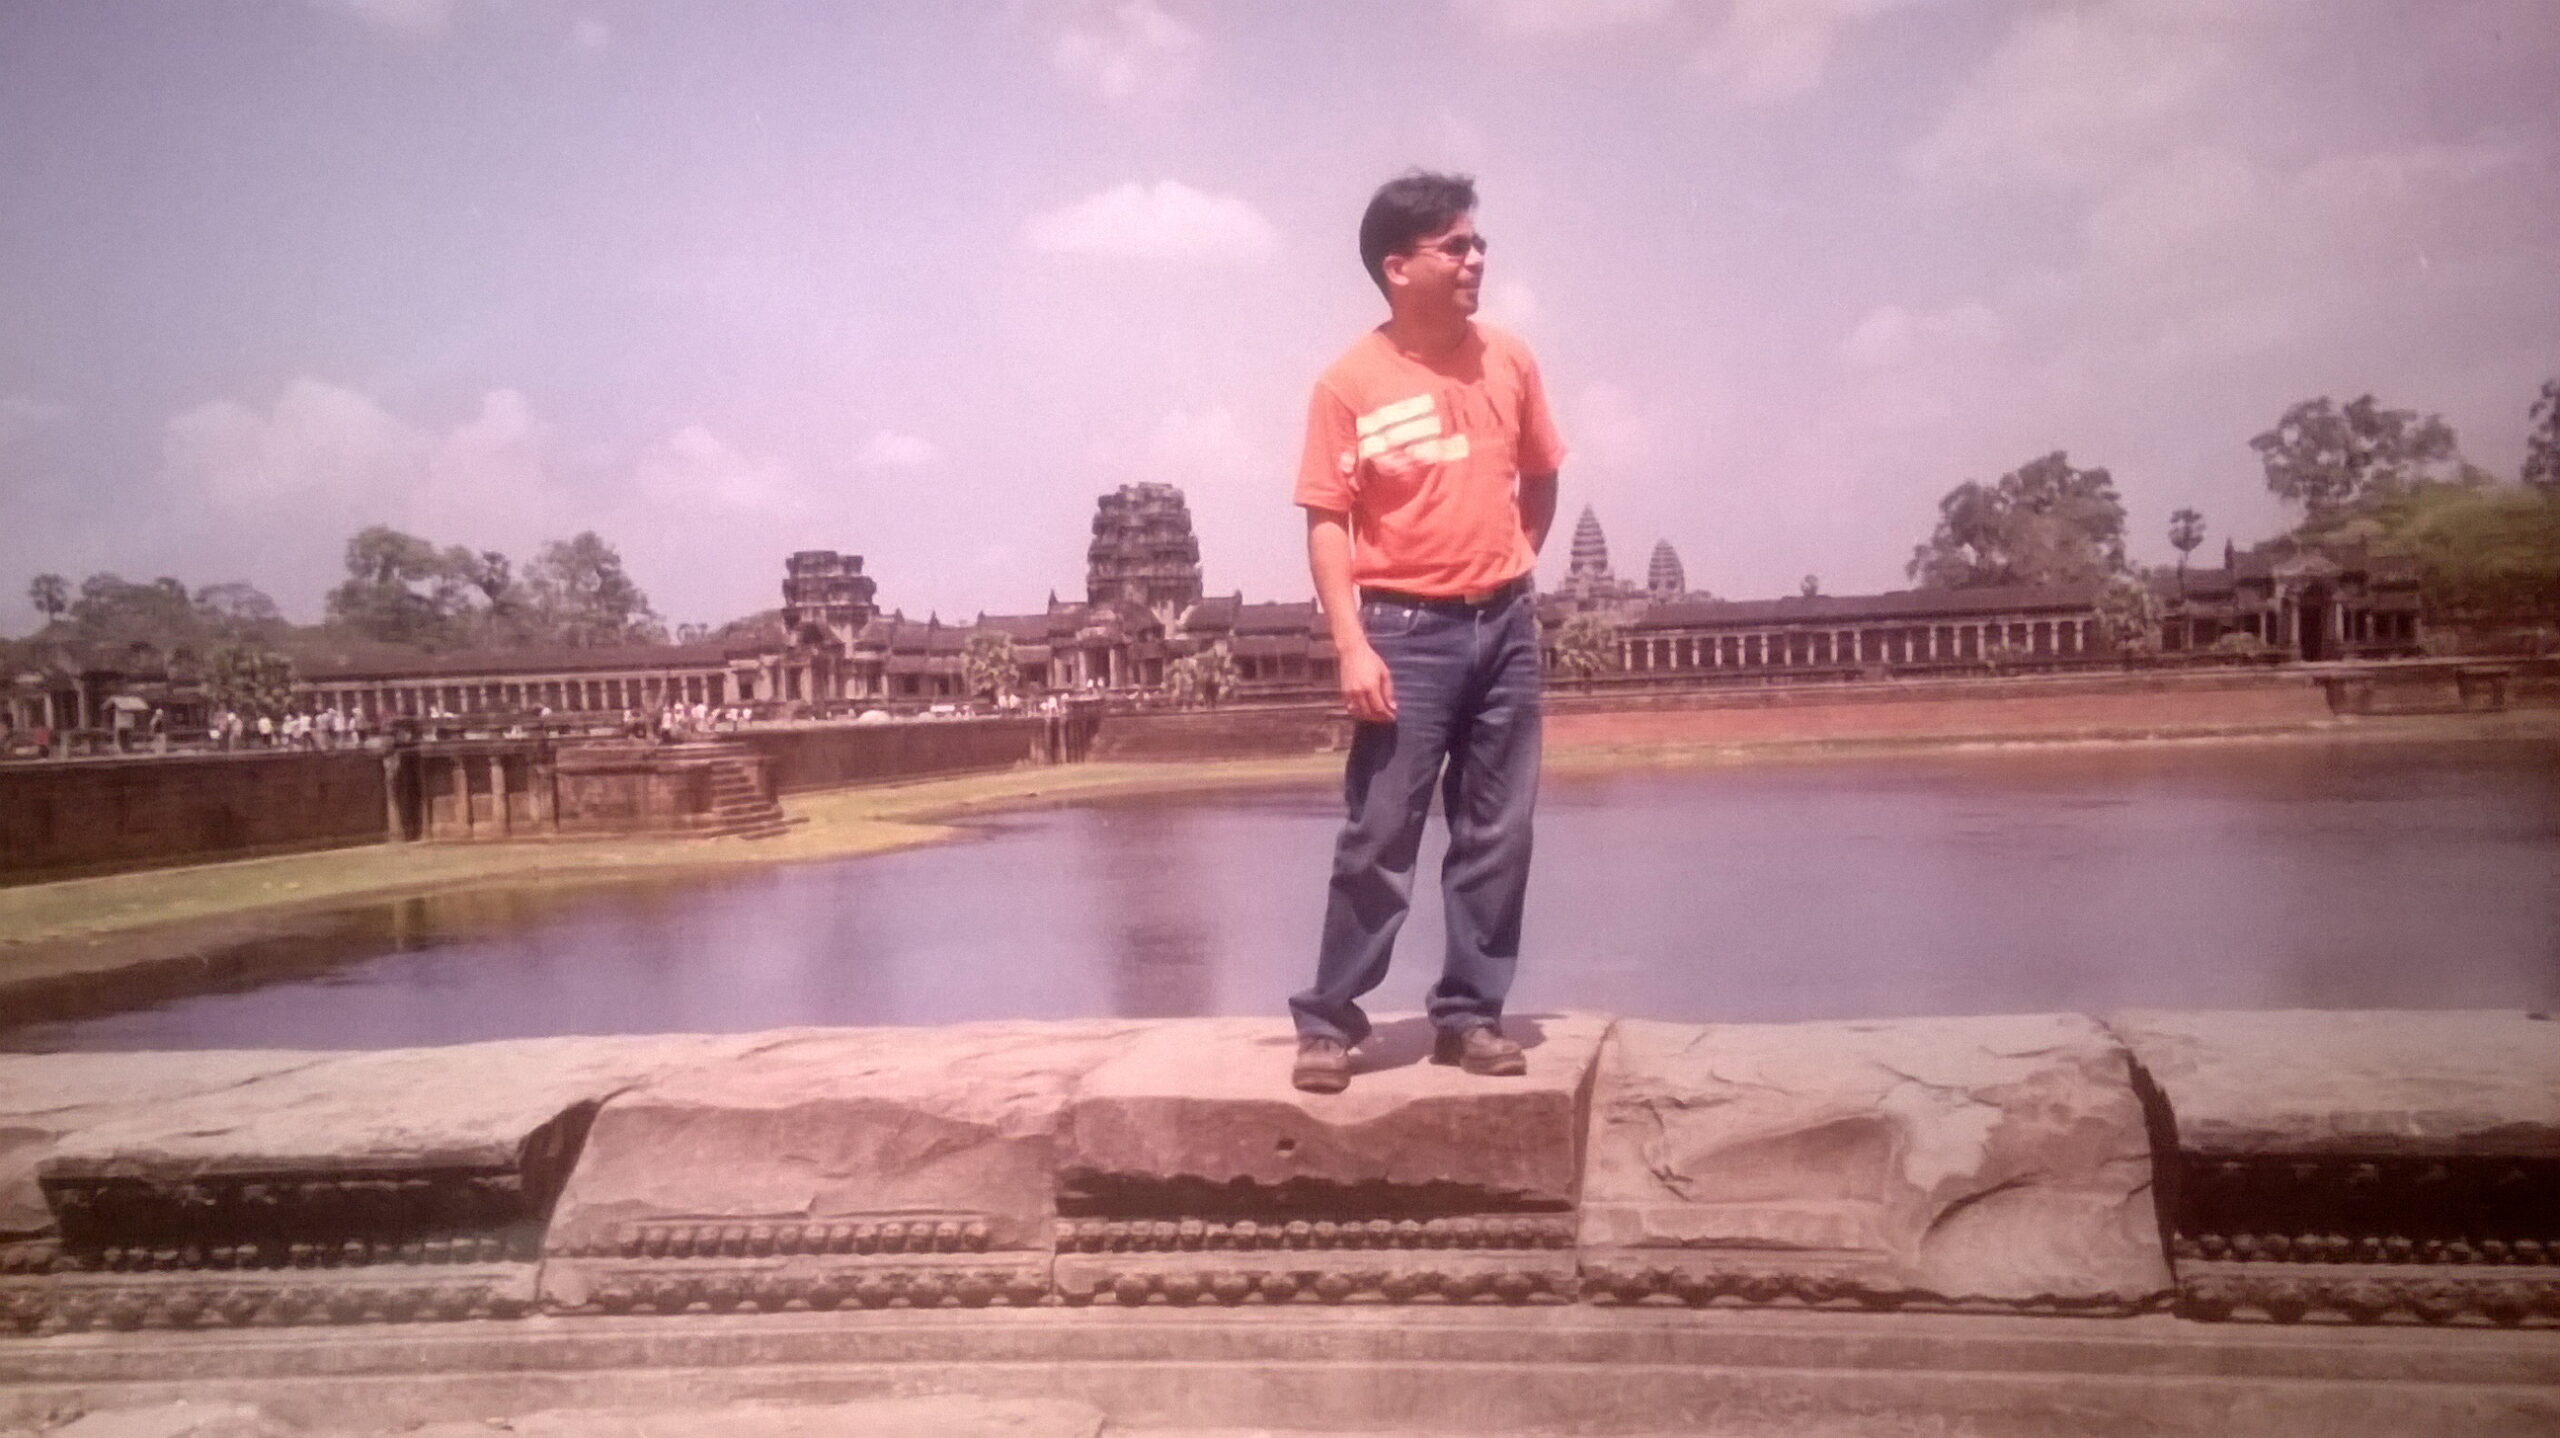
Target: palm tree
pixel 2186 531
pixel 1587 645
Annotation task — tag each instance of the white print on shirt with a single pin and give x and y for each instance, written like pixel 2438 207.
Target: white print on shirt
pixel 1404 434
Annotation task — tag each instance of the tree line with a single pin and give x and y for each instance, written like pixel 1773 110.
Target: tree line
pixel 399 589
pixel 2487 549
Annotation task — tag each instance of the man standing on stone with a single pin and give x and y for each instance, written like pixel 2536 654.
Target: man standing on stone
pixel 1429 481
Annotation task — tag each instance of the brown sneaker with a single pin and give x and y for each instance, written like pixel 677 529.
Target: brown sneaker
pixel 1324 1066
pixel 1480 1049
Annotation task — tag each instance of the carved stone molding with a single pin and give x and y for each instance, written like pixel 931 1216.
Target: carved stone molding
pixel 719 1286
pixel 78 1301
pixel 1802 1280
pixel 1509 1257
pixel 2294 1292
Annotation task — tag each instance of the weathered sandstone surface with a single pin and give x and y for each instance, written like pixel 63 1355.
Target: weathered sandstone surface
pixel 1963 1161
pixel 937 1417
pixel 2307 1081
pixel 1201 1112
pixel 2364 1167
pixel 906 1156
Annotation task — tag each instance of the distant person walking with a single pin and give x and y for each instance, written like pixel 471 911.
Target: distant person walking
pixel 1429 482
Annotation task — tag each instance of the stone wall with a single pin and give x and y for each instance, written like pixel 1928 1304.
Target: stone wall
pixel 828 756
pixel 58 819
pixel 1233 733
pixel 2289 1167
pixel 1705 1207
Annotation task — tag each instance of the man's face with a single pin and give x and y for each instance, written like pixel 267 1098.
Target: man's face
pixel 1442 273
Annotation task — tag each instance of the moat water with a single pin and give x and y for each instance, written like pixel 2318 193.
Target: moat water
pixel 2275 875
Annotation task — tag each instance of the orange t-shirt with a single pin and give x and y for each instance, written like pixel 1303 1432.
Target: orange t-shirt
pixel 1426 457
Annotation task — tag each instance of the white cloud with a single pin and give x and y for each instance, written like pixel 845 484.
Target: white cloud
pixel 1891 337
pixel 1772 50
pixel 891 450
pixel 1130 50
pixel 411 17
pixel 319 440
pixel 1545 18
pixel 694 470
pixel 1193 446
pixel 1511 304
pixel 1609 429
pixel 2075 95
pixel 23 414
pixel 1166 221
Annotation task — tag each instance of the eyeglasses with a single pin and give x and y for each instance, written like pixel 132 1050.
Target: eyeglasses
pixel 1458 247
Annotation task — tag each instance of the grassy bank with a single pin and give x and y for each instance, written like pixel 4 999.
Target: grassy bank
pixel 57 931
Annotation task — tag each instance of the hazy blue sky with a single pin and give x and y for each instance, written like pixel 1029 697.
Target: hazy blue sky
pixel 918 280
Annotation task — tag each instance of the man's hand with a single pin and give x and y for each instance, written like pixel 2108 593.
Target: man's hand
pixel 1368 689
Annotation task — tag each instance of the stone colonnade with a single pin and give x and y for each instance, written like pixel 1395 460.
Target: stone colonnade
pixel 1856 646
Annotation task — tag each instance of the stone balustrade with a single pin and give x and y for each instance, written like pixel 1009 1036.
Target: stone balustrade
pixel 2320 1167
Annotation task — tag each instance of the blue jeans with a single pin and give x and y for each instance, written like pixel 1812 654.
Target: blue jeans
pixel 1466 692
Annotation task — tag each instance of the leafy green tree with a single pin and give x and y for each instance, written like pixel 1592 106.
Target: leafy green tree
pixel 50 594
pixel 249 681
pixel 2129 617
pixel 114 610
pixel 2186 532
pixel 2542 441
pixel 2325 457
pixel 2486 553
pixel 2045 522
pixel 1587 645
pixel 401 590
pixel 239 612
pixel 585 598
pixel 987 665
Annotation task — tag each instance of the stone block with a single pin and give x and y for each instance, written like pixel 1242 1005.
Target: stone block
pixel 235 1188
pixel 2365 1167
pixel 2316 1082
pixel 1202 1111
pixel 1970 1163
pixel 1193 1170
pixel 864 1166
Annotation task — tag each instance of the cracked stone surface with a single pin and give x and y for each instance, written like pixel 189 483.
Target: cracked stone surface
pixel 2001 1160
pixel 2309 1081
pixel 171 1116
pixel 844 1125
pixel 1205 1107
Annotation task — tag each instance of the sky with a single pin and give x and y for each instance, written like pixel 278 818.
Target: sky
pixel 724 279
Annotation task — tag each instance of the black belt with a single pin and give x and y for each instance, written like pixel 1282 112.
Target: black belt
pixel 1483 599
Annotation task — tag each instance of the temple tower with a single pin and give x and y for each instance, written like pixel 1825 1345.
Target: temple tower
pixel 1663 578
pixel 1143 551
pixel 1590 568
pixel 826 597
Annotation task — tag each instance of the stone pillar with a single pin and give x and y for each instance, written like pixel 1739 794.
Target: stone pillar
pixel 498 793
pixel 395 824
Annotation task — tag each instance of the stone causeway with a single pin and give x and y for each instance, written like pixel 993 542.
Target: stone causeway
pixel 2283 1222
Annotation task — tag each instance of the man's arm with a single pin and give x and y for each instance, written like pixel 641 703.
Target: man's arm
pixel 1538 508
pixel 1368 691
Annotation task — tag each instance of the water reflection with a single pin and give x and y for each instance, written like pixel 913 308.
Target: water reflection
pixel 2244 876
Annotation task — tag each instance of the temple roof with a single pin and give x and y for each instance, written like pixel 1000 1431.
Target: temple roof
pixel 1894 604
pixel 361 660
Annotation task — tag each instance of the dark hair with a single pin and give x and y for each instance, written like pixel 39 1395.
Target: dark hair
pixel 1411 207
